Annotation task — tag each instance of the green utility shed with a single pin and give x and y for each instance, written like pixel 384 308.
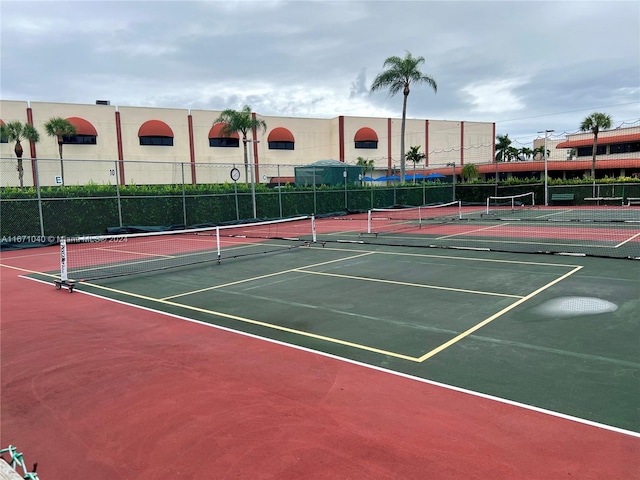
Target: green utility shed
pixel 327 172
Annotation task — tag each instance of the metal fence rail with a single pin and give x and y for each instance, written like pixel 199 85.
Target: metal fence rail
pixel 41 213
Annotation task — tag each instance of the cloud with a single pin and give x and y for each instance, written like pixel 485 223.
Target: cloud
pixel 526 65
pixel 497 96
pixel 359 86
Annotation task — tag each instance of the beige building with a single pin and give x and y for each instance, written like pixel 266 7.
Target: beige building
pixel 161 145
pixel 141 145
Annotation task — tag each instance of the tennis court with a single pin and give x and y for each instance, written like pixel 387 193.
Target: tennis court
pixel 452 346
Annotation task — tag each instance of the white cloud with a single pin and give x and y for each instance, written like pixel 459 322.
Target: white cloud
pixel 138 49
pixel 525 65
pixel 496 96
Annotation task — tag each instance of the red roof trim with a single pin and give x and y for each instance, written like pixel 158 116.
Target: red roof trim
pixel 217 132
pixel 538 166
pixel 587 142
pixel 83 127
pixel 366 134
pixel 155 128
pixel 280 134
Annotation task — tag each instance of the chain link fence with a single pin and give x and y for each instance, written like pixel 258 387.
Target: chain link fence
pixel 77 197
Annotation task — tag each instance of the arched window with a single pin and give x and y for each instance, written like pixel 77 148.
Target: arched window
pixel 366 138
pixel 86 133
pixel 155 132
pixel 281 139
pixel 217 138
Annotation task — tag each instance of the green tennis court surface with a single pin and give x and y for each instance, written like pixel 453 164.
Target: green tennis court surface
pixel 555 332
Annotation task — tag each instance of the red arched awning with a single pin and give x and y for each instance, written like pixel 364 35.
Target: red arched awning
pixel 217 132
pixel 588 142
pixel 280 134
pixel 83 127
pixel 366 134
pixel 155 128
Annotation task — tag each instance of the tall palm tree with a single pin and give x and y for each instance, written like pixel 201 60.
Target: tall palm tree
pixel 401 73
pixel 594 123
pixel 16 132
pixel 241 122
pixel 60 128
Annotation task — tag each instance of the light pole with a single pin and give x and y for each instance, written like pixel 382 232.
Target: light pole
pixel 546 161
pixel 252 174
pixel 453 172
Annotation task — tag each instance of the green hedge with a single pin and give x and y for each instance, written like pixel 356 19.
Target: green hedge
pixel 91 209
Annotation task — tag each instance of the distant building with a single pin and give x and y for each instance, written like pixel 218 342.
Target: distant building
pixel 146 145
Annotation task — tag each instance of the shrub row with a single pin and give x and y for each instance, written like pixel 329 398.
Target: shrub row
pixel 93 209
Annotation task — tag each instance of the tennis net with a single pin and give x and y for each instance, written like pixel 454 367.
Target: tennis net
pixel 93 257
pixel 611 231
pixel 510 202
pixel 386 220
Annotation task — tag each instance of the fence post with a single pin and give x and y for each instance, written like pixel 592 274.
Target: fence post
pixel 35 161
pixel 315 200
pixel 235 194
pixel 346 200
pixel 184 197
pixel 279 191
pixel 118 196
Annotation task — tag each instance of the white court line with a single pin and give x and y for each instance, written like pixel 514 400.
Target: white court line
pixel 628 240
pixel 445 386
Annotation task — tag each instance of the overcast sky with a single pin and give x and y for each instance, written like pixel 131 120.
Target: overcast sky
pixel 527 66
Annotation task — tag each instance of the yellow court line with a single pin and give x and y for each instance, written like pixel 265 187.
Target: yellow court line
pixel 323 337
pixel 264 276
pixel 561 212
pixel 27 270
pixel 493 317
pixel 451 257
pixel 130 252
pixel 627 240
pixel 539 242
pixel 259 323
pixel 470 232
pixel 408 284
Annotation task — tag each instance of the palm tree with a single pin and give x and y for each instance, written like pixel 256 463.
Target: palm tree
pixel 526 153
pixel 594 123
pixel 402 72
pixel 60 128
pixel 241 121
pixel 540 151
pixel 414 156
pixel 16 132
pixel 366 165
pixel 511 154
pixel 502 147
pixel 469 172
